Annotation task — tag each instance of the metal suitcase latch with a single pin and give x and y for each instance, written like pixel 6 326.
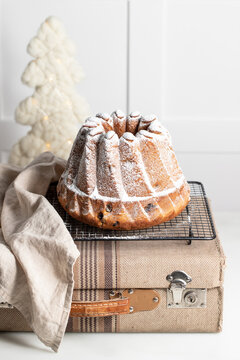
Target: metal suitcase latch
pixel 180 297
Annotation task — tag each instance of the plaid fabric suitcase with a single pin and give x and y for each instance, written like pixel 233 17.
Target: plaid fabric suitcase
pixel 145 285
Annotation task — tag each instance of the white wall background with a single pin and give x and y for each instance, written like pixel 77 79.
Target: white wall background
pixel 177 58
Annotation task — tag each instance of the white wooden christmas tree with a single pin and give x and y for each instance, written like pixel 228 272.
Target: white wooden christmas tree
pixel 55 109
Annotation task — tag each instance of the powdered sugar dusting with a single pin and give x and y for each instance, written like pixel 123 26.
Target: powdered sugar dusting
pixel 96 131
pixel 128 136
pixel 94 119
pixel 120 114
pixel 149 118
pixel 110 134
pixel 145 133
pixel 104 116
pixel 126 198
pixel 90 124
pixel 155 127
pixel 135 114
pixel 132 179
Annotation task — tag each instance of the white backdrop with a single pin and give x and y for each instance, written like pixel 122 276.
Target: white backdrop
pixel 177 58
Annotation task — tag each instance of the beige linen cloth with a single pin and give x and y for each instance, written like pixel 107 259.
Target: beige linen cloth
pixel 37 253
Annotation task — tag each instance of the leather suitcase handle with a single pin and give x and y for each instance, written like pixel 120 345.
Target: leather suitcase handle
pixel 110 307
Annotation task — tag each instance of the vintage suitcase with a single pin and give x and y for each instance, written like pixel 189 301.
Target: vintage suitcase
pixel 164 279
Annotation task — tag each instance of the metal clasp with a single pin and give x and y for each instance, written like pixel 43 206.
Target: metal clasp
pixel 180 297
pixel 178 282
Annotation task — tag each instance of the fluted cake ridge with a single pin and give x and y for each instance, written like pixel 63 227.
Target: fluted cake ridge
pixel 122 173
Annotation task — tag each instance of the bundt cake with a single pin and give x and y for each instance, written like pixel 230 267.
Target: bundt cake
pixel 122 173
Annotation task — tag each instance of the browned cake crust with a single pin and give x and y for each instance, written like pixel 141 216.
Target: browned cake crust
pixel 123 180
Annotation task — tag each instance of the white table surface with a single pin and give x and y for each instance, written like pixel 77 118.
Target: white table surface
pixel 225 345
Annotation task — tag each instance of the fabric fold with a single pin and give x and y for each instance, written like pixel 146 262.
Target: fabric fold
pixel 37 252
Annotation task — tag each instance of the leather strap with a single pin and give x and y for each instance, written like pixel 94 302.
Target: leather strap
pixel 100 308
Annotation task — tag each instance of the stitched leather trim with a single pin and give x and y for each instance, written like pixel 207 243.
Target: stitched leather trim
pixel 100 308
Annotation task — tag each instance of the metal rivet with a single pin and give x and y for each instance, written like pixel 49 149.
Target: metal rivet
pixel 131 309
pixel 155 299
pixel 130 291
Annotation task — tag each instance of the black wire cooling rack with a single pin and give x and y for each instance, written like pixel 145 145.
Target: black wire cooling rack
pixel 194 223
